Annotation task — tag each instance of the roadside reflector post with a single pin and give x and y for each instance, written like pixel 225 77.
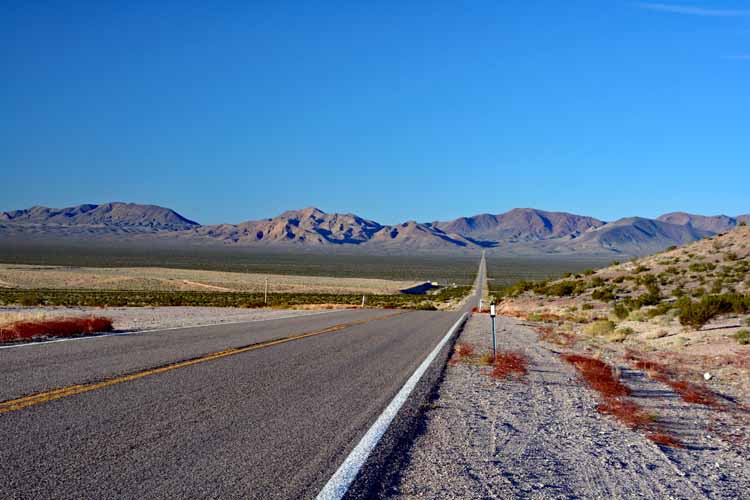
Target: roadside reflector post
pixel 480 305
pixel 363 301
pixel 265 297
pixel 494 340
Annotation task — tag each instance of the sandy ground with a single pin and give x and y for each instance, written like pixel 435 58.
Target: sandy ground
pixel 157 278
pixel 541 437
pixel 152 318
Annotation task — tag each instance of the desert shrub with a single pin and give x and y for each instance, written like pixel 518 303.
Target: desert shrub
pixel 742 224
pixel 621 311
pixel 696 314
pixel 588 272
pixel 702 267
pixel 464 350
pixel 672 247
pixel 603 294
pixel 562 288
pixel 618 279
pixel 636 315
pixel 60 327
pixel 659 310
pixel 587 307
pixel 640 269
pixel 742 337
pixel 651 298
pixel 597 281
pixel 698 292
pixel 30 299
pixel 599 328
pixel 678 292
pixel 508 363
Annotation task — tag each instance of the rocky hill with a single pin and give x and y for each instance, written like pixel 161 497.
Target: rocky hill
pixel 520 224
pixel 522 231
pixel 113 215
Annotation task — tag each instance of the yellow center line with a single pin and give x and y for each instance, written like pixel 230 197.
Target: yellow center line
pixel 63 392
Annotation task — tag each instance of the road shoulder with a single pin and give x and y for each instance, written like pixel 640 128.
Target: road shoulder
pixel 541 437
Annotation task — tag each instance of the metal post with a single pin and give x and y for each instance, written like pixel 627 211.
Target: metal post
pixel 494 340
pixel 363 301
pixel 265 300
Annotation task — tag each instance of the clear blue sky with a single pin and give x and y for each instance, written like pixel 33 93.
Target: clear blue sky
pixel 395 110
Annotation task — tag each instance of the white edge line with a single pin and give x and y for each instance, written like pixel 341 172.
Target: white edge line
pixel 339 484
pixel 135 332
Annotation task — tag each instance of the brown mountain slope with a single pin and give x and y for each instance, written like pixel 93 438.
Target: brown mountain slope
pixel 520 224
pixel 714 224
pixel 116 214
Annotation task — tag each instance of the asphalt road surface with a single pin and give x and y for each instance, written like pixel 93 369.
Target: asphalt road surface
pixel 162 415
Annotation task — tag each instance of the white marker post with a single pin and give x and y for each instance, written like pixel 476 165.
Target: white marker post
pixel 363 302
pixel 494 341
pixel 265 297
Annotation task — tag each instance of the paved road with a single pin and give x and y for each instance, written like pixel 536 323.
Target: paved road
pixel 273 422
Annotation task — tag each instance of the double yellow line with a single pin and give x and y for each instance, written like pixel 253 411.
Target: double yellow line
pixel 72 390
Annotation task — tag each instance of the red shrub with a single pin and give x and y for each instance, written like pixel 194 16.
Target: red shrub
pixel 63 327
pixel 626 411
pixel 509 363
pixel 691 393
pixel 598 375
pixel 464 350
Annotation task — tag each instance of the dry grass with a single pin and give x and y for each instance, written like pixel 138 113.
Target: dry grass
pixel 166 279
pixel 508 364
pixel 598 375
pixel 58 327
pixel 688 391
pixel 464 350
pixel 601 377
pixel 7 318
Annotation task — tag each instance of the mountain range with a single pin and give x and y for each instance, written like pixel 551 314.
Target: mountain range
pixel 521 231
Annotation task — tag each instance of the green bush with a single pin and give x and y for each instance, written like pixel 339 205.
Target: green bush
pixel 743 337
pixel 562 288
pixel 697 314
pixel 603 294
pixel 621 311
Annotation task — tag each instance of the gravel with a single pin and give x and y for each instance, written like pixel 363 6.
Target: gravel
pixel 541 437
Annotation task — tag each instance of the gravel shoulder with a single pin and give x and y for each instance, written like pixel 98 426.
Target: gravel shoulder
pixel 154 318
pixel 541 437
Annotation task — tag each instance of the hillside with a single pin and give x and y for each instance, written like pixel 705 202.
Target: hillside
pixel 689 305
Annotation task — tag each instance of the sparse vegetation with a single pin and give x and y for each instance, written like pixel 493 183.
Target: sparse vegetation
pixel 743 337
pixel 600 328
pixel 77 298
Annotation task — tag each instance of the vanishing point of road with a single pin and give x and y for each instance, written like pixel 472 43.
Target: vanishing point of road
pixel 264 409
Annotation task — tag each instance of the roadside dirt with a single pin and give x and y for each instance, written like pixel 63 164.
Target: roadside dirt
pixel 150 318
pixel 540 436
